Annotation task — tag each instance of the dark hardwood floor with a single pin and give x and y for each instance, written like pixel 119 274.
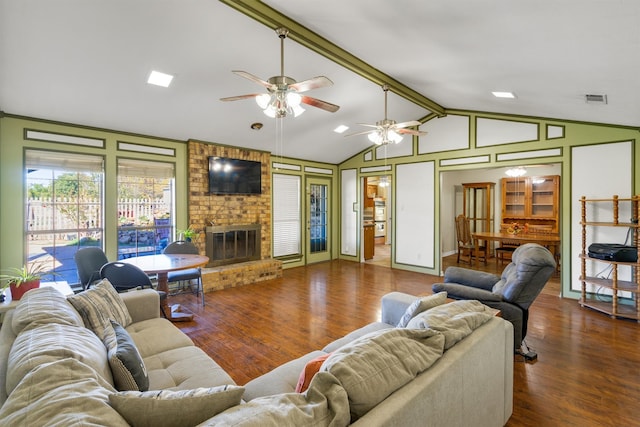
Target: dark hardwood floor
pixel 587 372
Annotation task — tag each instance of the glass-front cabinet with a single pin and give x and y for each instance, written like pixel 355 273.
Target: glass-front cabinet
pixel 531 200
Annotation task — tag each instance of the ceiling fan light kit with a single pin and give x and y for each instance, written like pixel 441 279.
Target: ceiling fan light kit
pixel 388 131
pixel 283 97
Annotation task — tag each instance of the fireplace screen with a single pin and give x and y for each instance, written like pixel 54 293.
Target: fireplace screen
pixel 232 244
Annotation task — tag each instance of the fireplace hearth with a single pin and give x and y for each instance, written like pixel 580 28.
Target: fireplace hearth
pixel 230 244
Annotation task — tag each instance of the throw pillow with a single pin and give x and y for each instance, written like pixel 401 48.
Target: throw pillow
pixel 377 364
pixel 420 305
pixel 98 304
pixel 311 368
pixel 127 367
pixel 167 407
pixel 455 320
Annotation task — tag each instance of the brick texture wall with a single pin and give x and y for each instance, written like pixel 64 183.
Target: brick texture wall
pixel 227 209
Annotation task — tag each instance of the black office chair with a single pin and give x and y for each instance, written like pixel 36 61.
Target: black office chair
pixel 189 275
pixel 125 277
pixel 89 261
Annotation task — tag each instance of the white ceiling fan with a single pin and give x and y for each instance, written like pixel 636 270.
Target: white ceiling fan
pixel 283 92
pixel 387 131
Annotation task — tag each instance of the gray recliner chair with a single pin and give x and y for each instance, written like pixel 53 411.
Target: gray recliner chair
pixel 512 293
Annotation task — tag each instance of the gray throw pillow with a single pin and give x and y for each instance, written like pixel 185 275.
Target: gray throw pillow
pixel 127 367
pixel 420 305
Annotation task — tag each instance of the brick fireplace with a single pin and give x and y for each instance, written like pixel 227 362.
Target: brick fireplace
pixel 231 211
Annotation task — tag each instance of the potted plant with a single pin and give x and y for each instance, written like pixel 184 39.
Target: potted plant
pixel 23 279
pixel 188 235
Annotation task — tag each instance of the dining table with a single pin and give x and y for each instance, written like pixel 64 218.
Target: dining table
pixel 544 239
pixel 161 265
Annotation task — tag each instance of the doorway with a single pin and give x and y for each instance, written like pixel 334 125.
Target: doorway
pixel 377 214
pixel 318 246
pixel 451 199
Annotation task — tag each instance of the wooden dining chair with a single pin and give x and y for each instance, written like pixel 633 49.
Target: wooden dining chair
pixel 466 247
pixel 506 248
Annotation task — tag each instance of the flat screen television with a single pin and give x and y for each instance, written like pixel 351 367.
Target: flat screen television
pixel 234 176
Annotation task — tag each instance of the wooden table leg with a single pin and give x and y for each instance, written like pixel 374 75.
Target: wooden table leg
pixel 174 312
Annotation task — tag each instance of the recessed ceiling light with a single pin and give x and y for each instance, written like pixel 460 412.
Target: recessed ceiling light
pixel 341 129
pixel 159 79
pixel 510 95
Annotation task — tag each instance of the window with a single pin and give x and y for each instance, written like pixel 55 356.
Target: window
pixel 64 210
pixel 145 206
pixel 286 215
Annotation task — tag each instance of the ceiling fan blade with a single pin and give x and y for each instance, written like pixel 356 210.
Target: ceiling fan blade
pixel 314 83
pixel 252 78
pixel 364 132
pixel 410 132
pixel 239 97
pixel 314 102
pixel 407 124
pixel 368 125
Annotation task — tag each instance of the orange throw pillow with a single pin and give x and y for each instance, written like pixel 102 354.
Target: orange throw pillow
pixel 311 368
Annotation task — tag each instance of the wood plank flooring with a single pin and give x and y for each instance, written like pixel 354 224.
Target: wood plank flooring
pixel 588 368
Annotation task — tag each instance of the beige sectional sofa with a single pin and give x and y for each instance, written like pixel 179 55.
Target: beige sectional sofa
pixel 451 365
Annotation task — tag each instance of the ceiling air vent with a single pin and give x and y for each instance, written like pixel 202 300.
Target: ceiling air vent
pixel 596 99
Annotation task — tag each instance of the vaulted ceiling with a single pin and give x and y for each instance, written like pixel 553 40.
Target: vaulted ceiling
pixel 87 62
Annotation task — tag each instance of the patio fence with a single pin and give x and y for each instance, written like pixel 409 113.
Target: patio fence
pixel 74 213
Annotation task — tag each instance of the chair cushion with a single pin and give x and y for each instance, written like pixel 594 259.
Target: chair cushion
pixel 98 304
pixel 165 407
pixel 186 274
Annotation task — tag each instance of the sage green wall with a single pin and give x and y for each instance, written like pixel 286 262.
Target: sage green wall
pixel 12 179
pixel 575 134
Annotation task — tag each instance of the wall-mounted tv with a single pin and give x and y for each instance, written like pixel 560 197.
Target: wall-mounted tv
pixel 234 176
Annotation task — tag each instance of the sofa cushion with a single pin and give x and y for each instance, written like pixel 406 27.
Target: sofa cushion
pixel 98 304
pixel 157 335
pixel 164 407
pixel 64 392
pixel 310 369
pixel 455 320
pixel 375 365
pixel 420 305
pixel 324 404
pixel 354 335
pixel 42 306
pixel 127 367
pixel 184 369
pixel 51 342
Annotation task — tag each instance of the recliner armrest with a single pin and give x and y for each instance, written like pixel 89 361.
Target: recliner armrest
pixel 458 291
pixel 468 277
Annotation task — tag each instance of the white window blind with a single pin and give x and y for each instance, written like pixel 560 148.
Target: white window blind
pixel 286 215
pixel 138 168
pixel 67 162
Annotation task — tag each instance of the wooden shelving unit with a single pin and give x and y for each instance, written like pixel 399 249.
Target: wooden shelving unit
pixel 611 305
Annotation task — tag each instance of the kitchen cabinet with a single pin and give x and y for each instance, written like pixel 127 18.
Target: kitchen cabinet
pixel 369 241
pixel 532 200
